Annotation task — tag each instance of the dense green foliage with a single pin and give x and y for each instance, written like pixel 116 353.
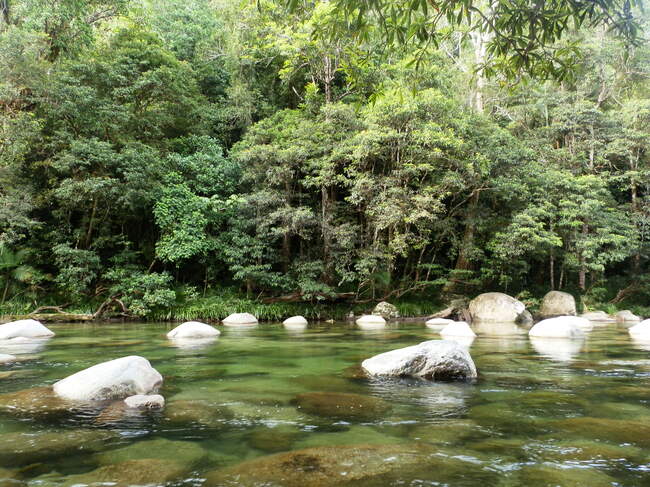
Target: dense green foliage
pixel 184 157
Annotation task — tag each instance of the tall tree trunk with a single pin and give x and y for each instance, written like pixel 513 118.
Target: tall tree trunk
pixel 4 9
pixel 463 262
pixel 551 264
pixel 582 273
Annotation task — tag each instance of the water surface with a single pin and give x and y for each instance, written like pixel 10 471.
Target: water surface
pixel 543 413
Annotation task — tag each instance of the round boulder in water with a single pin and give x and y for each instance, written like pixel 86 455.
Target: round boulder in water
pixel 6 358
pixel 295 321
pixel 25 329
pixel 557 303
pixel 371 321
pixel 193 329
pixel 240 319
pixel 457 329
pixel 640 330
pixel 559 327
pixel 339 405
pixel 433 360
pixel 116 379
pixel 497 307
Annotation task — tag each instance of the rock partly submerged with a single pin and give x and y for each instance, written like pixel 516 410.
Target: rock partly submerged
pixel 299 322
pixel 193 329
pixel 24 329
pixel 598 316
pixel 640 330
pixel 369 322
pixel 560 327
pixel 437 360
pixel 142 401
pixel 457 329
pixel 438 323
pixel 7 359
pixel 240 319
pixel 626 316
pixel 498 308
pixel 557 303
pixel 115 379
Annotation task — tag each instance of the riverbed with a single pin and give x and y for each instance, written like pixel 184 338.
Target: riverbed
pixel 265 406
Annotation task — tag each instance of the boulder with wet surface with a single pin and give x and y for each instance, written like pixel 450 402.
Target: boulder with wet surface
pixel 115 379
pixel 342 406
pixel 432 360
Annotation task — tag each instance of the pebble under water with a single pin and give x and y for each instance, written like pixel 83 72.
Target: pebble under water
pixel 266 406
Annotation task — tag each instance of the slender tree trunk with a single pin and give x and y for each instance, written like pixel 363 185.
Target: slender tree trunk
pixel 636 261
pixel 6 290
pixel 552 270
pixel 4 9
pixel 582 274
pixel 463 262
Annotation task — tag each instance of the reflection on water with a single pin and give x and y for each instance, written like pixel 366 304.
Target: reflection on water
pixel 22 345
pixel 559 349
pixel 264 402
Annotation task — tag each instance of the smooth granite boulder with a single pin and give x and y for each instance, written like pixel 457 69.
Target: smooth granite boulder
pixel 438 360
pixel 193 329
pixel 557 303
pixel 116 379
pixel 25 329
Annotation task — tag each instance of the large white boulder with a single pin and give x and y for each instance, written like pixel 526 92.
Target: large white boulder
pixel 116 379
pixel 626 316
pixel 240 319
pixel 457 329
pixel 434 360
pixel 370 322
pixel 640 330
pixel 557 303
pixel 25 329
pixel 559 327
pixel 193 329
pixel 295 322
pixel 497 307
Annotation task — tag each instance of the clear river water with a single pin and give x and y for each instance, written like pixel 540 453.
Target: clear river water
pixel 266 406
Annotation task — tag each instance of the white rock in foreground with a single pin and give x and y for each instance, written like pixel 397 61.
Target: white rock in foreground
pixel 433 360
pixel 238 319
pixel 116 379
pixel 6 358
pixel 437 323
pixel 640 330
pixel 299 321
pixel 141 401
pixel 193 329
pixel 560 327
pixel 457 329
pixel 24 328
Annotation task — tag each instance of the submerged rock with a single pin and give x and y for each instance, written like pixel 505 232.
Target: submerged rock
pixel 193 329
pixel 24 328
pixel 38 401
pixel 560 327
pixel 386 310
pixel 498 307
pixel 199 412
pixel 326 466
pixel 24 448
pixel 116 379
pixel 6 358
pixel 141 401
pixel 457 329
pixel 626 316
pixel 433 360
pixel 239 319
pixel 557 303
pixel 615 430
pixel 148 471
pixel 273 440
pixel 560 475
pixel 341 405
pixel 371 321
pixel 186 453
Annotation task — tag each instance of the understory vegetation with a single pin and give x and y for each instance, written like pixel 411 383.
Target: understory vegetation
pixel 186 159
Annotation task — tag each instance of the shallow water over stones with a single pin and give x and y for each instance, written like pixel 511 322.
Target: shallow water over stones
pixel 278 408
